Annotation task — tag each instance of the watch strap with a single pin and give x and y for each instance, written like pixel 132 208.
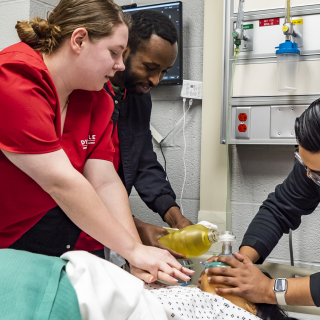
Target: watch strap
pixel 280 295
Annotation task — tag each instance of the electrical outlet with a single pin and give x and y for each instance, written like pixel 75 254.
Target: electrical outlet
pixel 243 117
pixel 242 127
pixel 242 123
pixel 191 89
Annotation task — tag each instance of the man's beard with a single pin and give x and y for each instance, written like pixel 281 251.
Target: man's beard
pixel 128 78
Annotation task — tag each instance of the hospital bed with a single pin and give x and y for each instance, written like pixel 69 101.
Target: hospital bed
pixel 276 271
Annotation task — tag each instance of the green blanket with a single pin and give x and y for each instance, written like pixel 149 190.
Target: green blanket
pixel 35 287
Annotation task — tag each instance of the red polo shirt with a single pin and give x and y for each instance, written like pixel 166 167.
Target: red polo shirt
pixel 30 123
pixel 85 242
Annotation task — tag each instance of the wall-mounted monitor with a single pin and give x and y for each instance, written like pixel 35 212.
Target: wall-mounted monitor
pixel 173 10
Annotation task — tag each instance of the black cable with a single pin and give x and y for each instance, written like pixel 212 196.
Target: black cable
pixel 291 248
pixel 165 162
pixel 290 233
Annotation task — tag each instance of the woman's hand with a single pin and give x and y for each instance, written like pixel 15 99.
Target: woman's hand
pixel 147 277
pixel 247 280
pixel 156 264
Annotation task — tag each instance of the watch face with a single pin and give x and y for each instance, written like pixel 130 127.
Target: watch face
pixel 280 285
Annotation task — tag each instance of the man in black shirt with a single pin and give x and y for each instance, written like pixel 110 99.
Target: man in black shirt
pixel 298 195
pixel 152 50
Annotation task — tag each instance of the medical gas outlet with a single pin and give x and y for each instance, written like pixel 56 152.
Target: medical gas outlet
pixel 242 123
pixel 242 32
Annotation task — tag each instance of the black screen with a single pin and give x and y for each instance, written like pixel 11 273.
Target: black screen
pixel 173 10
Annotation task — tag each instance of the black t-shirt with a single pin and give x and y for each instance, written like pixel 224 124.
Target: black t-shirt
pixel 296 196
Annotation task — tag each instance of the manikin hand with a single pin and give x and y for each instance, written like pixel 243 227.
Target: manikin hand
pixel 150 235
pixel 248 281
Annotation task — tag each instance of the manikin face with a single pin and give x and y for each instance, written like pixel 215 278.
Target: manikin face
pixel 146 68
pixel 238 301
pixel 101 59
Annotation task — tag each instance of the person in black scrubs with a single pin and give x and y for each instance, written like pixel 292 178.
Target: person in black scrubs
pixel 152 50
pixel 297 196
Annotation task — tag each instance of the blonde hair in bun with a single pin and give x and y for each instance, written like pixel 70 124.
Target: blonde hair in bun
pixel 98 17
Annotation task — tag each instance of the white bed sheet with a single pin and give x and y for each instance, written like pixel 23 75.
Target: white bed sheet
pixel 105 291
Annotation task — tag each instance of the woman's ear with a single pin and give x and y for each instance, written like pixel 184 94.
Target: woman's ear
pixel 251 307
pixel 78 37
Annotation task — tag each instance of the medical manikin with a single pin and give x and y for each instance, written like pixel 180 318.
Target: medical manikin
pixel 106 291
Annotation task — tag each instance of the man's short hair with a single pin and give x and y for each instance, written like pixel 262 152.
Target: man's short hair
pixel 307 128
pixel 145 23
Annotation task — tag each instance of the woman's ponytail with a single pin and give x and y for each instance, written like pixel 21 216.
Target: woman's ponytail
pixel 39 34
pixel 98 17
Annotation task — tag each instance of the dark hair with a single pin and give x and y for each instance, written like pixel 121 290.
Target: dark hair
pixel 145 23
pixel 307 128
pixel 271 311
pixel 98 17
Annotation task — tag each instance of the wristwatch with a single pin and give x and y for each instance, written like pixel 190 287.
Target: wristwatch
pixel 280 289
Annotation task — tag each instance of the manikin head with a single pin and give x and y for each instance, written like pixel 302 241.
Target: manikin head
pixel 82 40
pixel 307 128
pixel 261 310
pixel 152 50
pixel 238 301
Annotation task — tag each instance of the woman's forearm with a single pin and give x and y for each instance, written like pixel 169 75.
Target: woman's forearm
pixel 115 198
pixel 83 206
pixel 106 182
pixel 76 197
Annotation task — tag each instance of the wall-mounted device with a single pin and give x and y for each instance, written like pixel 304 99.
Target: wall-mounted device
pixel 191 89
pixel 261 71
pixel 288 55
pixel 173 10
pixel 238 32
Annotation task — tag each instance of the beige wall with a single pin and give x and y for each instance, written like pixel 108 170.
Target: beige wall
pixel 213 177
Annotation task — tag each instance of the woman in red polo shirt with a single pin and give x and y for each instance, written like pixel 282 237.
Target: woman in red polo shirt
pixel 56 171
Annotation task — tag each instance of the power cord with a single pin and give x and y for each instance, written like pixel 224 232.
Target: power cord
pixel 165 162
pixel 183 118
pixel 177 122
pixel 185 148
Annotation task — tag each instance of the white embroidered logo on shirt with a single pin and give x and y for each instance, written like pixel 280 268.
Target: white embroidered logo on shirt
pixel 91 140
